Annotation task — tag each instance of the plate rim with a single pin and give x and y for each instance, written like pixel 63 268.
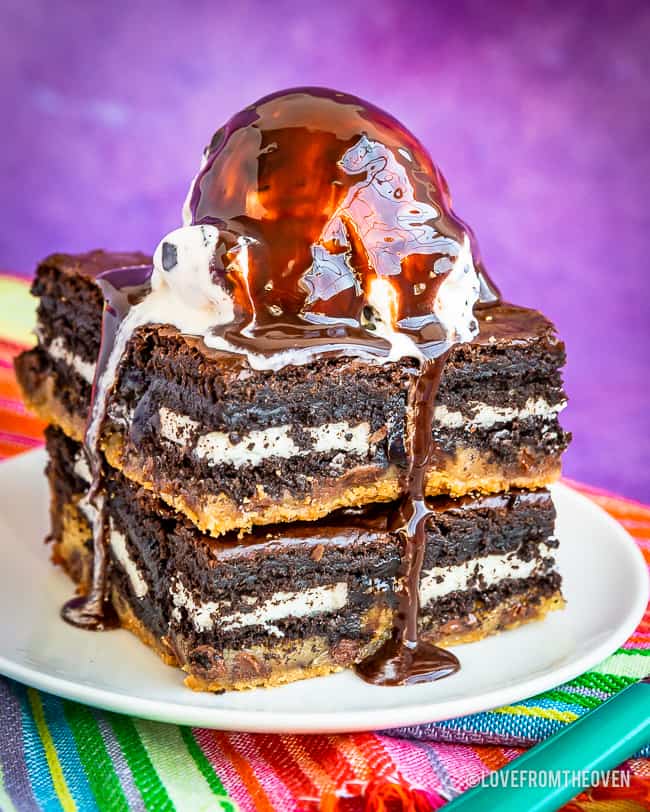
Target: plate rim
pixel 273 721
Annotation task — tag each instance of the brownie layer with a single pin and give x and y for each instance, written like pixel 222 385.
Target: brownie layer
pixel 290 601
pixel 70 302
pixel 305 485
pixel 233 447
pixel 162 569
pixel 58 373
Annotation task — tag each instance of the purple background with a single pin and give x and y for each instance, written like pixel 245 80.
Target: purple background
pixel 537 112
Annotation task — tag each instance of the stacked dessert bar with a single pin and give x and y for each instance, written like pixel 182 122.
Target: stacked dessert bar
pixel 200 444
pixel 250 511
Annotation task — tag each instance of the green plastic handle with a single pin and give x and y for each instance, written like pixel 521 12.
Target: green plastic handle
pixel 599 741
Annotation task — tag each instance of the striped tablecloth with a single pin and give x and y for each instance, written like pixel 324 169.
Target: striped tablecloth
pixel 59 755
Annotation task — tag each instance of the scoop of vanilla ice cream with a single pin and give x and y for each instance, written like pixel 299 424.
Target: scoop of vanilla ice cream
pixel 457 295
pixel 182 266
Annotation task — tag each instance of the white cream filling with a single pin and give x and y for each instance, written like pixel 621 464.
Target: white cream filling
pixel 290 604
pixel 488 571
pixel 217 448
pixel 486 416
pixel 182 263
pixel 435 583
pixel 58 350
pixel 457 294
pixel 117 541
pixel 81 468
pixel 205 616
pixel 341 436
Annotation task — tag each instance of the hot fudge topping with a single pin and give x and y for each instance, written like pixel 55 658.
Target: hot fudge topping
pixel 333 226
pixel 317 224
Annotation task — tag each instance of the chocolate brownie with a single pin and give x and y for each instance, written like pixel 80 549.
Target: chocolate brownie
pixel 317 373
pixel 232 446
pixel 294 600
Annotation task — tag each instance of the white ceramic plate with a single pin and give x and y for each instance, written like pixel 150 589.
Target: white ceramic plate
pixel 605 584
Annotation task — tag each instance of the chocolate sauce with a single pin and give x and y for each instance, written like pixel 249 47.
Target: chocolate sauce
pixel 318 196
pixel 405 659
pixel 121 288
pixel 326 192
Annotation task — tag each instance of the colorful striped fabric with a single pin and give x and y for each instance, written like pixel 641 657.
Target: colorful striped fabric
pixel 59 755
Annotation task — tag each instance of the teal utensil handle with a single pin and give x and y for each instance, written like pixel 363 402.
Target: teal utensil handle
pixel 600 740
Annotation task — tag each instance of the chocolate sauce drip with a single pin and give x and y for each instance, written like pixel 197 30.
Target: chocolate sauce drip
pixel 121 287
pixel 317 195
pixel 404 659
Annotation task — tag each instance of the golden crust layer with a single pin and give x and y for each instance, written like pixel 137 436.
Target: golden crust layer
pixel 467 472
pixel 508 615
pixel 262 666
pixel 513 612
pixel 42 400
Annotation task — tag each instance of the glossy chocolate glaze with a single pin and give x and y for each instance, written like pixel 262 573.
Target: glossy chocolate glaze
pixel 405 659
pixel 508 324
pixel 316 194
pixel 121 287
pixel 310 170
